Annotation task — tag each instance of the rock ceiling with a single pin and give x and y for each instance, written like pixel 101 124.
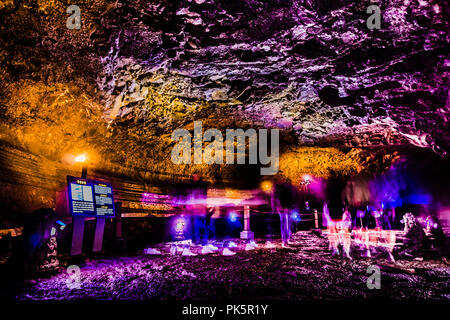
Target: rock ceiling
pixel 144 68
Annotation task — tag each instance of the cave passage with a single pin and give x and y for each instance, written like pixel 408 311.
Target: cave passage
pixel 215 149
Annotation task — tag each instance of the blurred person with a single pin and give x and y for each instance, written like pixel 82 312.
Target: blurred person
pixel 209 224
pixel 440 239
pixel 281 201
pixel 196 206
pixel 415 239
pixel 339 233
pixel 325 214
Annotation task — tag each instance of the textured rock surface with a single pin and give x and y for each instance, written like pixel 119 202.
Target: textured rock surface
pixel 301 65
pixel 136 70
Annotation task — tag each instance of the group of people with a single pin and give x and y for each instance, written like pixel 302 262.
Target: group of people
pixel 191 198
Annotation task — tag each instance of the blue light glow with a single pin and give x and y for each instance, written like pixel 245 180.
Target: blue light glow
pixel 61 224
pixel 295 216
pixel 418 199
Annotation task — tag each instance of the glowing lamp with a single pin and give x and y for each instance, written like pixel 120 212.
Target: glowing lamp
pixel 266 186
pixel 81 158
pixel 233 217
pixel 306 180
pixel 179 226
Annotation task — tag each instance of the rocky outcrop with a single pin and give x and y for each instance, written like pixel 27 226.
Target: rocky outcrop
pixel 136 70
pixel 298 65
pixel 311 68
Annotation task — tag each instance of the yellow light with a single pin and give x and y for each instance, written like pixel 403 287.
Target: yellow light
pixel 266 186
pixel 80 158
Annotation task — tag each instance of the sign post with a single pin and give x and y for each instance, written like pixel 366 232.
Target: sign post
pixel 77 236
pixel 78 226
pixel 89 198
pixel 118 225
pixel 98 237
pixel 120 242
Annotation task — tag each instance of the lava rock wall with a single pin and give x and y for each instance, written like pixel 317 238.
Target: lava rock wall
pixel 136 70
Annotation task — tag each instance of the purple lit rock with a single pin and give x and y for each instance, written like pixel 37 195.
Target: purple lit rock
pixel 311 62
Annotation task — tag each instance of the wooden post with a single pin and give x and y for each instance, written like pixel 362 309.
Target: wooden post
pixel 246 233
pixel 84 172
pixel 118 220
pixel 246 218
pixel 316 219
pixel 120 242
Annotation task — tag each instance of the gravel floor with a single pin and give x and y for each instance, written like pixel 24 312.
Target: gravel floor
pixel 307 271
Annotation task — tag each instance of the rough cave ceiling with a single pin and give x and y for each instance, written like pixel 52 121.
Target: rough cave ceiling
pixel 144 68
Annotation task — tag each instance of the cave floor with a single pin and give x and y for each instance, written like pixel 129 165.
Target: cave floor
pixel 305 271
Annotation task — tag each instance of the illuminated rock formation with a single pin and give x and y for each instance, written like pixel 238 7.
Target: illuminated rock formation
pixel 137 70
